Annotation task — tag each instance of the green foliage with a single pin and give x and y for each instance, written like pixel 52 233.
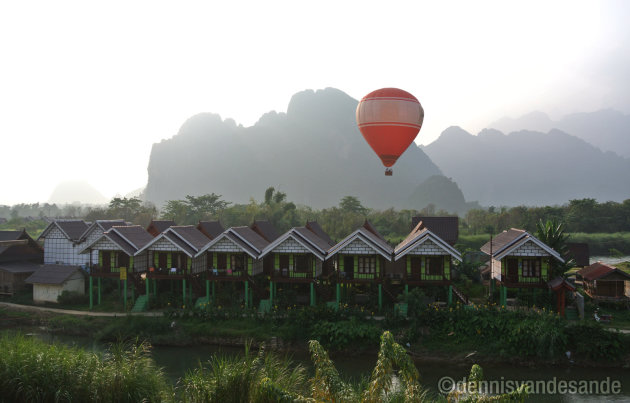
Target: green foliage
pixel 194 209
pixel 31 370
pixel 129 209
pixel 342 334
pixel 73 298
pixel 553 235
pixel 261 378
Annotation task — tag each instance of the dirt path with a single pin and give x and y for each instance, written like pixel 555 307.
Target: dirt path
pixel 78 313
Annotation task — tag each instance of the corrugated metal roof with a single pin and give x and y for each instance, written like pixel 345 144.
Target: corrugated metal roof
pixel 52 274
pixel 600 270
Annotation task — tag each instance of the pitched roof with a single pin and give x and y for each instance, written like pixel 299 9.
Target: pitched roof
pixel 447 228
pixel 52 274
pixel 559 283
pixel 314 227
pixel 304 237
pixel 136 235
pixel 265 229
pixel 507 241
pixel 72 229
pixel 252 237
pixel 129 238
pixel 191 235
pixel 211 229
pixel 244 237
pixel 500 241
pixel 20 267
pixel 156 227
pixel 186 238
pixel 101 226
pixel 12 235
pixel 580 253
pixel 417 237
pixel 368 234
pixel 600 270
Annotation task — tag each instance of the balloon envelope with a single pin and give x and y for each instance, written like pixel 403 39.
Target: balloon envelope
pixel 389 120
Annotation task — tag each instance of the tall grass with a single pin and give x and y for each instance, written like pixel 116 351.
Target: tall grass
pixel 34 371
pixel 252 378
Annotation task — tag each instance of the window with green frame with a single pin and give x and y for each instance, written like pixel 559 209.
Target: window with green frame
pixel 367 265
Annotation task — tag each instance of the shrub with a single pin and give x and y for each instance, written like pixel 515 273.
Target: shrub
pixel 73 298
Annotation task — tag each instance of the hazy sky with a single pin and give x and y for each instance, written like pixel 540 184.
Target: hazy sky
pixel 86 87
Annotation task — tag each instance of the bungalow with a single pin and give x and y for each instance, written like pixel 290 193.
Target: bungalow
pixel 604 282
pixel 96 230
pixel 115 251
pixel 233 256
pixel 174 255
pixel 51 280
pixel 14 274
pixel 519 260
pixel 428 259
pixel 360 258
pixel 298 257
pixel 62 240
pixel 156 227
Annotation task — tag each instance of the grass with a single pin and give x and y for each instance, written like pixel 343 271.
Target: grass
pixel 32 370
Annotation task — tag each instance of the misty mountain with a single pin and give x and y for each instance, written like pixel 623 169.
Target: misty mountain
pixel 606 129
pixel 529 168
pixel 314 152
pixel 76 192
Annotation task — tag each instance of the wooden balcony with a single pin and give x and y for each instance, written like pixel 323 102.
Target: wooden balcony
pixel 417 278
pixel 104 272
pixel 293 275
pixel 356 277
pixel 524 282
pixel 227 275
pixel 171 274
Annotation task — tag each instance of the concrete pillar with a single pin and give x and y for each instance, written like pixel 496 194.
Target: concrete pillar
pixel 338 293
pixel 91 291
pixel 271 292
pixel 312 294
pixel 208 290
pixel 450 295
pixel 99 290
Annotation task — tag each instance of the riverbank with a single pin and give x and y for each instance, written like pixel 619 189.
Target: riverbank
pixel 451 335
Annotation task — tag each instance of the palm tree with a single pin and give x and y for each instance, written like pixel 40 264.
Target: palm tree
pixel 552 233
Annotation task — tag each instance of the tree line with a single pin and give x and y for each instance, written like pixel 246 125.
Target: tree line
pixel 580 215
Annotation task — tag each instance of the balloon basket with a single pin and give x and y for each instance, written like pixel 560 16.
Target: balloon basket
pixel 389 172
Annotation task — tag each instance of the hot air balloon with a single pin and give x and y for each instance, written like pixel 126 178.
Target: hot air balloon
pixel 389 120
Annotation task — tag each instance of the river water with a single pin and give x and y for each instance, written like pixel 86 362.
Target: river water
pixel 600 382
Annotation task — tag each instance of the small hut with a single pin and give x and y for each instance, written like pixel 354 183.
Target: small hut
pixel 605 282
pixel 53 279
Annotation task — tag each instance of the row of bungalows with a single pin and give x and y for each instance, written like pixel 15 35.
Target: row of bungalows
pixel 252 255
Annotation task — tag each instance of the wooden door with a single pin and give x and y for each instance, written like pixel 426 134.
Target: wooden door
pixel 512 270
